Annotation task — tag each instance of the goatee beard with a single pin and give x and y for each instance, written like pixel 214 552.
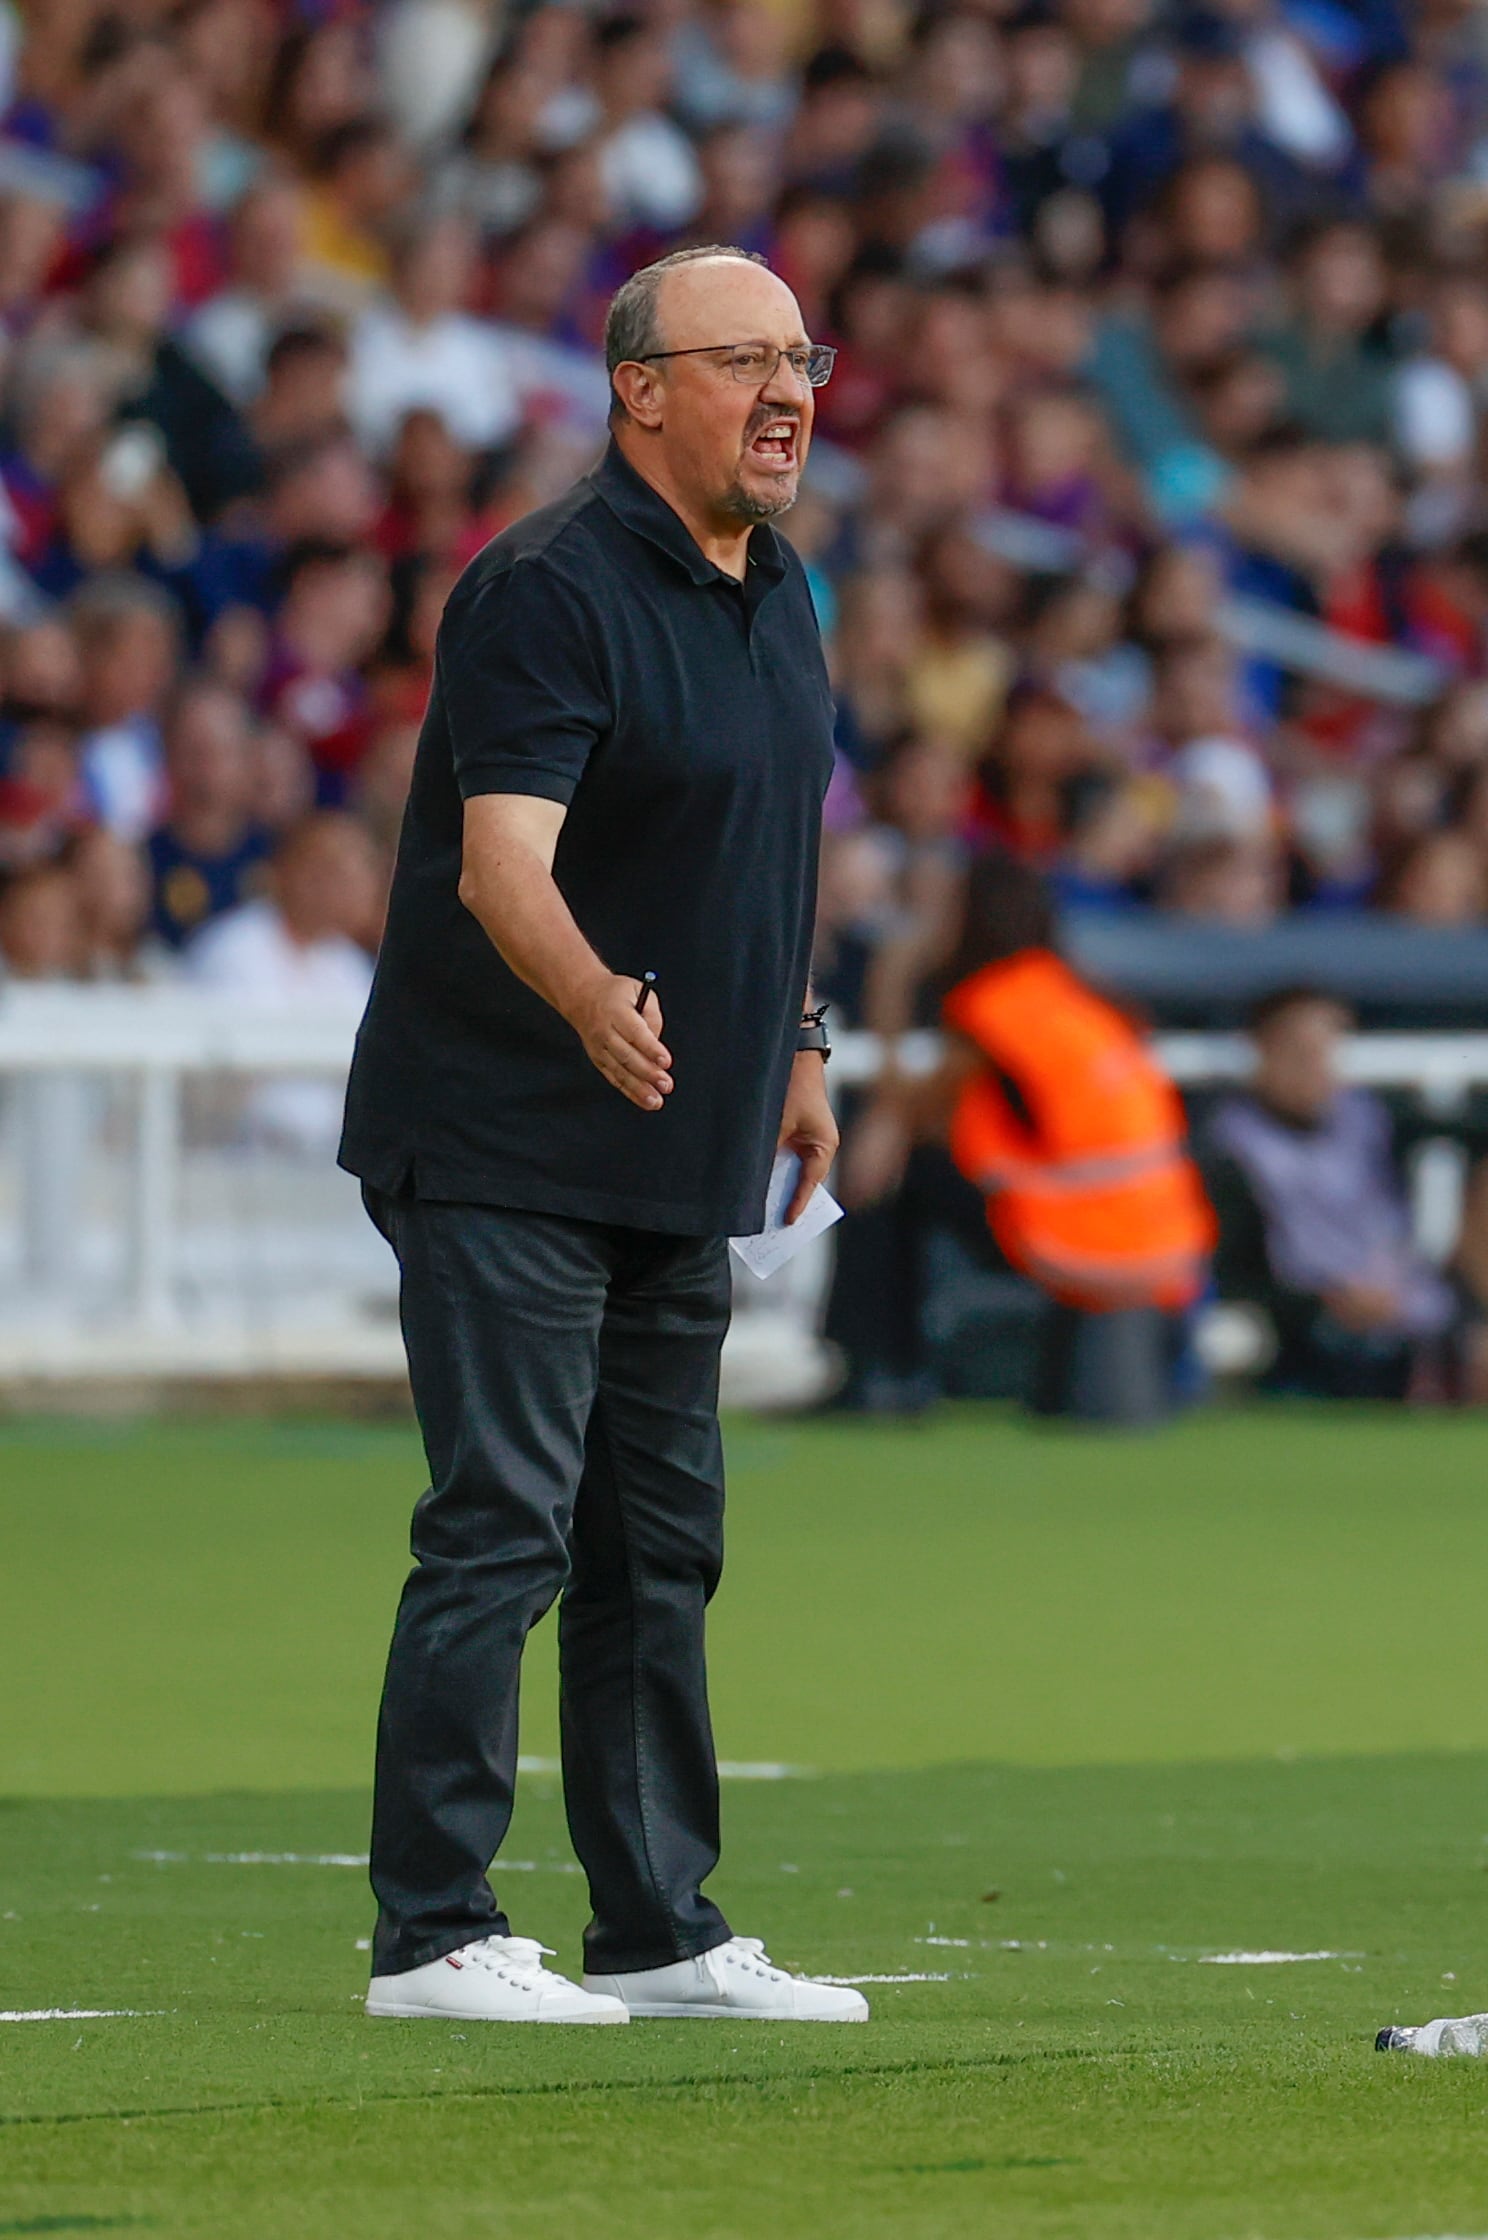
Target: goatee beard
pixel 743 507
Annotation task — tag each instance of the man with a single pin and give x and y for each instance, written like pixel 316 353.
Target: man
pixel 209 855
pixel 128 639
pixel 419 350
pixel 232 332
pixel 305 939
pixel 621 773
pixel 1314 1225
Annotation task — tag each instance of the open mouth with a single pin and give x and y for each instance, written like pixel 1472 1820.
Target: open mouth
pixel 774 445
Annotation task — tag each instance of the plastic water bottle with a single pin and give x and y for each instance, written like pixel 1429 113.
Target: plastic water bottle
pixel 1440 2040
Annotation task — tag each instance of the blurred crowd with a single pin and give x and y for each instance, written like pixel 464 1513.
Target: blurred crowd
pixel 1143 517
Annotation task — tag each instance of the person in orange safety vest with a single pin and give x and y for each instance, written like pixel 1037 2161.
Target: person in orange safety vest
pixel 1055 1112
pixel 1066 1123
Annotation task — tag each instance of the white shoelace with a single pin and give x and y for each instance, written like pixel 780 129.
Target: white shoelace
pixel 740 1952
pixel 518 1960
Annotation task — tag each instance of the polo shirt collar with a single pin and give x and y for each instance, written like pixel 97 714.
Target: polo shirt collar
pixel 632 500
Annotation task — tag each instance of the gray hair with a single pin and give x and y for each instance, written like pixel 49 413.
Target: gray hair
pixel 632 329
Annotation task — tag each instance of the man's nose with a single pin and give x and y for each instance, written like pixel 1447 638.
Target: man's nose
pixel 786 386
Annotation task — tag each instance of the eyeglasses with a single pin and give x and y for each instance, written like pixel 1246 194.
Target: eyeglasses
pixel 757 363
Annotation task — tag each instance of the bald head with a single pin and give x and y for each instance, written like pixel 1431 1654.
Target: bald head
pixel 633 325
pixel 727 296
pixel 706 406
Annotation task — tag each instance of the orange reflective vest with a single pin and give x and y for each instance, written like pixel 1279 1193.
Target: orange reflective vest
pixel 1093 1196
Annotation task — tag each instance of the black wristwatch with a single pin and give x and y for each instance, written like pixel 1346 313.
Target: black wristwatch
pixel 812 1033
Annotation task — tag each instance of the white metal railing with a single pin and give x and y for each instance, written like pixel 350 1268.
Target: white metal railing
pixel 134 1230
pixel 1444 1068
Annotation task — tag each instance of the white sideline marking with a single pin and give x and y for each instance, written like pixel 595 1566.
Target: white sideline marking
pixel 890 1979
pixel 325 1859
pixel 285 1858
pixel 1268 1959
pixel 729 1769
pixel 73 2014
pixel 763 1769
pixel 255 1858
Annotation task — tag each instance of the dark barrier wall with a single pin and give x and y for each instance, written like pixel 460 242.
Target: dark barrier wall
pixel 1207 975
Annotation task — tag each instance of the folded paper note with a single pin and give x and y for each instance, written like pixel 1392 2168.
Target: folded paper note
pixel 777 1243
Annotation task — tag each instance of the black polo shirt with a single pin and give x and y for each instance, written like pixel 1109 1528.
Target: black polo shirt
pixel 592 655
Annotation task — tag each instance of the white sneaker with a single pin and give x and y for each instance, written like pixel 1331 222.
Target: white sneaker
pixel 736 1982
pixel 496 1979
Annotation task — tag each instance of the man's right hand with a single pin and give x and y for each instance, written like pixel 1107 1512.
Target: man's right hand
pixel 624 1043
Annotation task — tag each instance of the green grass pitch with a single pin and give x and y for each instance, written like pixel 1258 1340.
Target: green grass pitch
pixel 1077 1716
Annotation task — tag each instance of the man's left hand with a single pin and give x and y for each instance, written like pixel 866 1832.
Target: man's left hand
pixel 808 1128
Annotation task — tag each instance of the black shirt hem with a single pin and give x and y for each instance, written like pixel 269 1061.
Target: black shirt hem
pixel 415 1174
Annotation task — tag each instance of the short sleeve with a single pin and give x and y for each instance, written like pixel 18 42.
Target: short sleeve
pixel 521 682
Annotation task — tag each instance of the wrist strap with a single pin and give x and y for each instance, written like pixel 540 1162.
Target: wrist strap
pixel 812 1032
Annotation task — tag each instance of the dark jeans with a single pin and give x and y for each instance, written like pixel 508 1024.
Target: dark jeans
pixel 565 1375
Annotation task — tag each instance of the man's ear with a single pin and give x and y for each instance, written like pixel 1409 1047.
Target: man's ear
pixel 640 390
